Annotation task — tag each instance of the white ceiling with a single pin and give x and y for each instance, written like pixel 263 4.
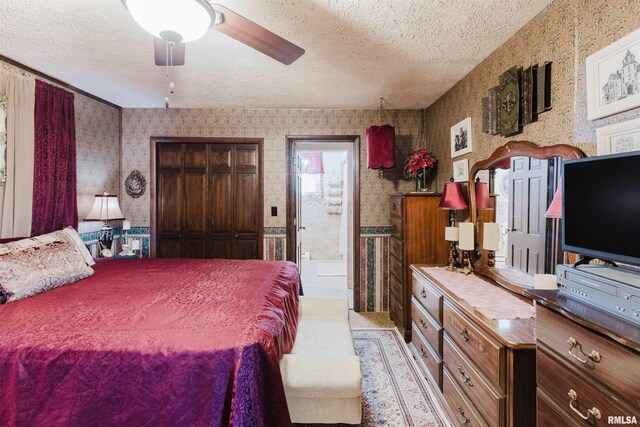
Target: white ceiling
pixel 408 51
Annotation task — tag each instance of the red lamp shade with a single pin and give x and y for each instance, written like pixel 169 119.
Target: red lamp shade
pixel 555 209
pixel 381 147
pixel 482 195
pixel 311 163
pixel 452 197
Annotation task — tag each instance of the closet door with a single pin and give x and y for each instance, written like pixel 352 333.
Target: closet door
pixel 221 201
pixel 169 198
pixel 246 207
pixel 208 200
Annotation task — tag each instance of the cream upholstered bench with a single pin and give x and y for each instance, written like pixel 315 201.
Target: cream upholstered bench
pixel 321 375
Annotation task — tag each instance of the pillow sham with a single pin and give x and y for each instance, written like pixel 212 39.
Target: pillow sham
pixel 67 234
pixel 36 269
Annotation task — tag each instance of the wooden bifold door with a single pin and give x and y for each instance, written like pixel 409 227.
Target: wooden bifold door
pixel 208 201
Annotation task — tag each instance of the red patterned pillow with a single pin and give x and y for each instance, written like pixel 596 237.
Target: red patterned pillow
pixel 36 269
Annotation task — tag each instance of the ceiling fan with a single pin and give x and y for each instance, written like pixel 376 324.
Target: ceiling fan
pixel 176 22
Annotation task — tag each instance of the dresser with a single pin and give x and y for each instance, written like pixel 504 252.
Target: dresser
pixel 417 237
pixel 475 342
pixel 588 364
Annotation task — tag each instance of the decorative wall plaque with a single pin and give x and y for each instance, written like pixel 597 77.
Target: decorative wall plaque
pixel 135 184
pixel 509 102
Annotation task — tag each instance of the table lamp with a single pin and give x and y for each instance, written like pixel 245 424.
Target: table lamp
pixel 453 199
pixel 105 209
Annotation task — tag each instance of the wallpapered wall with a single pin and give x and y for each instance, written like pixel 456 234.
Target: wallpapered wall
pixel 97 150
pixel 138 125
pixel 565 32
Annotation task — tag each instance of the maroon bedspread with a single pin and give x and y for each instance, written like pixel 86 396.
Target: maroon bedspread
pixel 155 342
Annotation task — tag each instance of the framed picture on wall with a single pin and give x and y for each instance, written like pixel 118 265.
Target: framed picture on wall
pixel 461 140
pixel 613 78
pixel 461 170
pixel 618 138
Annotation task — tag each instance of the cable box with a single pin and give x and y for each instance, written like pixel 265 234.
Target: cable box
pixel 613 289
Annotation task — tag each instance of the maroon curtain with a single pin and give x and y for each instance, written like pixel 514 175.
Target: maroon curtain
pixel 54 184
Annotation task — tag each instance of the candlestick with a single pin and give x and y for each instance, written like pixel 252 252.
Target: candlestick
pixel 466 241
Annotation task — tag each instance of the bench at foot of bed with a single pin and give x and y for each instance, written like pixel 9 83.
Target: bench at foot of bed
pixel 321 375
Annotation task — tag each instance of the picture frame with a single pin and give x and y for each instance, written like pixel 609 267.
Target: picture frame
pixel 461 138
pixel 461 170
pixel 613 78
pixel 618 138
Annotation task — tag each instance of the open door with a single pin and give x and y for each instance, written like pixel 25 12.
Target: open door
pixel 297 214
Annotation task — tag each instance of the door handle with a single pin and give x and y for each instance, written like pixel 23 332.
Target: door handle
pixel 303 228
pixel 236 235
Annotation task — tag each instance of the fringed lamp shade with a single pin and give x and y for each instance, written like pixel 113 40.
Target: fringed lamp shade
pixel 381 147
pixel 555 209
pixel 452 197
pixel 482 195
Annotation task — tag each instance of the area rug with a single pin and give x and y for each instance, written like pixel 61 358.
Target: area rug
pixel 394 392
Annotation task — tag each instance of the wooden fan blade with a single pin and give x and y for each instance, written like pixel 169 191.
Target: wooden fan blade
pixel 160 52
pixel 257 37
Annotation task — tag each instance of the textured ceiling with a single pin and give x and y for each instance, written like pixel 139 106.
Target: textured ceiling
pixel 407 51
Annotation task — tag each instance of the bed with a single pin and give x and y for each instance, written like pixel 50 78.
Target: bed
pixel 161 342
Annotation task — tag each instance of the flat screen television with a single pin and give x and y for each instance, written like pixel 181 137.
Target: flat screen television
pixel 601 207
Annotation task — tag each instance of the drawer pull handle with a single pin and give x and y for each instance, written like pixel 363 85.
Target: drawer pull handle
pixel 423 293
pixel 464 378
pixel 463 419
pixel 594 355
pixel 422 352
pixel 593 411
pixel 422 324
pixel 464 333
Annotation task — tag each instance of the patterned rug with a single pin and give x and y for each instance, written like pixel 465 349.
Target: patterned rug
pixel 394 392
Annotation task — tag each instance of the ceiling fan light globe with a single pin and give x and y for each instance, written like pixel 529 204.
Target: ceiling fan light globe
pixel 189 18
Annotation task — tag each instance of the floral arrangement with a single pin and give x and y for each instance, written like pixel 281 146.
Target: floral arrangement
pixel 420 163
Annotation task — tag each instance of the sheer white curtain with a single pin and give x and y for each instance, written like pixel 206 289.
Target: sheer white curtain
pixel 16 194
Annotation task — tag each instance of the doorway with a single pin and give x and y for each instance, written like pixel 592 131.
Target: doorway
pixel 323 214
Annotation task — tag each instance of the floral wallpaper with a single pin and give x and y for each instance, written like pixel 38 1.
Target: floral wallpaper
pixel 138 125
pixel 97 154
pixel 565 32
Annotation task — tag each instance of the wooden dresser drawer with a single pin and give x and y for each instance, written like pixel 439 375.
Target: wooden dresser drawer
pixel 396 312
pixel 395 206
pixel 396 248
pixel 428 297
pixel 397 268
pixel 576 344
pixel 423 321
pixel 487 353
pixel 569 388
pixel 549 415
pixel 396 227
pixel 427 356
pixel 465 415
pixel 487 400
pixel 396 286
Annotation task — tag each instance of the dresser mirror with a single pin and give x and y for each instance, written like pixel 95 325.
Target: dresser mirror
pixel 521 179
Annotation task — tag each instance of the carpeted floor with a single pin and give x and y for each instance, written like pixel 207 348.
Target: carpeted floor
pixel 394 392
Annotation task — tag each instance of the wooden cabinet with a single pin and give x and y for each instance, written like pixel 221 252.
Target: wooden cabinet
pixel 486 363
pixel 417 237
pixel 588 364
pixel 208 201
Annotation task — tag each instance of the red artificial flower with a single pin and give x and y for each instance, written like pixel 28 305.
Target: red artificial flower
pixel 419 163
